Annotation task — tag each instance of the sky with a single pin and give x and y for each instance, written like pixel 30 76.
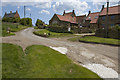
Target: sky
pixel 44 10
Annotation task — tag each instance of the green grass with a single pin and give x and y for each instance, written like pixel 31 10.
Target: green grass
pixel 40 62
pixel 52 34
pixel 12 61
pixel 100 40
pixel 13 28
pixel 0 61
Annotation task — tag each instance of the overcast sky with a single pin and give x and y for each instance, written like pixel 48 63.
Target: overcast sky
pixel 44 10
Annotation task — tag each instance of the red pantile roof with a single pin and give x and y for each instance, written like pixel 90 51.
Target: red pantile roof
pixel 67 17
pixel 111 10
pixel 93 17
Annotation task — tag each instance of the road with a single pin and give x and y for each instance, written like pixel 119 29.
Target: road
pixel 79 52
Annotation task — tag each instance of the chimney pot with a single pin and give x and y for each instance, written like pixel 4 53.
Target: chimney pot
pixel 10 11
pixel 89 12
pixel 5 12
pixel 63 12
pixel 73 11
pixel 102 6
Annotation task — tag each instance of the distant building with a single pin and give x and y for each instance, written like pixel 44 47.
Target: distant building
pixel 11 15
pixel 69 19
pixel 91 20
pixel 113 16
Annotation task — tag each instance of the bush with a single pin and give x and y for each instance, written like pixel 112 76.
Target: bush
pixel 113 32
pixel 12 20
pixel 58 29
pixel 39 24
pixel 26 21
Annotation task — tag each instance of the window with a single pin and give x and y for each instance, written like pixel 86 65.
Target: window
pixel 103 18
pixel 96 17
pixel 54 22
pixel 89 18
pixel 103 25
pixel 112 17
pixel 112 25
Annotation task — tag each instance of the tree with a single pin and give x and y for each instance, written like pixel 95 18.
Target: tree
pixel 26 21
pixel 39 23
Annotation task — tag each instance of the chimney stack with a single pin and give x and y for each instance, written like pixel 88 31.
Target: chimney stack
pixel 5 13
pixel 102 7
pixel 10 11
pixel 63 12
pixel 73 11
pixel 89 12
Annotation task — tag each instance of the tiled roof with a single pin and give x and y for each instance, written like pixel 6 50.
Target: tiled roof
pixel 10 14
pixel 67 17
pixel 111 10
pixel 93 17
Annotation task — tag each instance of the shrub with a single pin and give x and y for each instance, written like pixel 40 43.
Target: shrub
pixel 58 29
pixel 26 21
pixel 12 20
pixel 39 24
pixel 113 32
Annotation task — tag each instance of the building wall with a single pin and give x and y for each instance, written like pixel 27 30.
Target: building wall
pixel 87 23
pixel 54 20
pixel 112 20
pixel 93 26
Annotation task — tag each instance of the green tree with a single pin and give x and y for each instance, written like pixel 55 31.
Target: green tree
pixel 26 21
pixel 39 23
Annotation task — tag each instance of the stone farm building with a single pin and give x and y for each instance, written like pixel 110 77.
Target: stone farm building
pixel 11 15
pixel 69 19
pixel 91 20
pixel 113 16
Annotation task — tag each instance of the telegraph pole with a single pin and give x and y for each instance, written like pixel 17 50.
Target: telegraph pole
pixel 30 15
pixel 107 22
pixel 24 11
pixel 24 15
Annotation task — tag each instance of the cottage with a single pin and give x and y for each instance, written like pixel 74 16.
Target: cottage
pixel 113 16
pixel 69 19
pixel 11 15
pixel 92 20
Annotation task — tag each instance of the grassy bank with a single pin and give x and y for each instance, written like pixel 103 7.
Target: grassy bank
pixel 14 27
pixel 0 61
pixel 100 40
pixel 12 61
pixel 40 62
pixel 52 34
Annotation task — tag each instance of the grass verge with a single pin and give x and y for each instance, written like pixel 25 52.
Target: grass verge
pixel 52 34
pixel 40 62
pixel 14 27
pixel 100 40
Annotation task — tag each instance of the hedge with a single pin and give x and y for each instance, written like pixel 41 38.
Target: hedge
pixel 64 29
pixel 12 20
pixel 113 32
pixel 26 21
pixel 58 29
pixel 23 21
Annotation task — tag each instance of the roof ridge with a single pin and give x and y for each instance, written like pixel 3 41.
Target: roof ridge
pixel 94 12
pixel 80 15
pixel 68 13
pixel 113 6
pixel 11 13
